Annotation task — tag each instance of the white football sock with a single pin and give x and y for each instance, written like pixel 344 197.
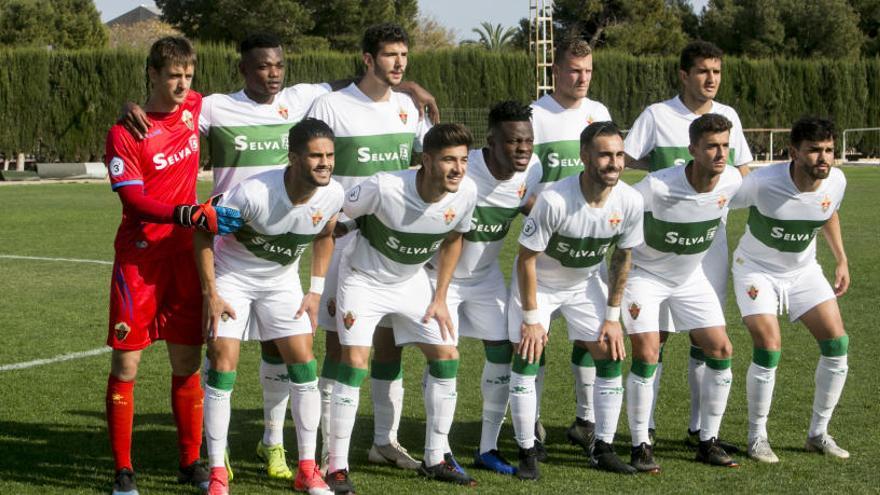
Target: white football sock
pixel 639 397
pixel 496 391
pixel 343 412
pixel 584 379
pixel 539 392
pixel 608 398
pixel 713 401
pixel 325 388
pixel 523 400
pixel 440 399
pixel 830 378
pixel 657 375
pixel 387 396
pixel 217 411
pixel 305 408
pixel 759 390
pixel 276 390
pixel 696 369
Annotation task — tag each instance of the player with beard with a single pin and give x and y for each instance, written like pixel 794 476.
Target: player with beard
pixel 775 270
pixel 563 243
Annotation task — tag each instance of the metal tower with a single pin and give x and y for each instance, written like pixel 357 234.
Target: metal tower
pixel 541 44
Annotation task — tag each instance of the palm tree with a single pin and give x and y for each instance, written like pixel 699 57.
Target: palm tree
pixel 493 36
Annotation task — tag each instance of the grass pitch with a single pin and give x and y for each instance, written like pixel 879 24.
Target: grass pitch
pixel 53 435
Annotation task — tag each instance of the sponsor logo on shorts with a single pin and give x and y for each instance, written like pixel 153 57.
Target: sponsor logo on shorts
pixel 449 215
pixel 122 330
pixel 354 193
pixel 141 244
pixel 282 111
pixel 529 227
pixel 752 292
pixel 634 310
pixel 187 118
pixel 521 192
pixel 722 201
pixel 331 307
pixel 348 320
pixel 403 115
pixel 826 203
pixel 615 219
pixel 317 216
pixel 117 166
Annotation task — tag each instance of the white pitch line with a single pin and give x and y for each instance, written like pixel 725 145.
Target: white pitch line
pixel 56 359
pixel 40 258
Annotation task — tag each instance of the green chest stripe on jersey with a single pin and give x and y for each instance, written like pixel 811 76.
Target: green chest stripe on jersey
pixel 249 145
pixel 573 252
pixel 363 156
pixel 679 238
pixel 559 159
pixel 490 223
pixel 670 156
pixel 283 249
pixel 402 247
pixel 788 236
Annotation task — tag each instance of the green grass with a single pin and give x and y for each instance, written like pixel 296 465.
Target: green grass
pixel 52 430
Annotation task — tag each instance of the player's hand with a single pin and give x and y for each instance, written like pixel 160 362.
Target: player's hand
pixel 534 338
pixel 841 279
pixel 214 310
pixel 612 332
pixel 422 98
pixel 311 302
pixel 439 311
pixel 209 217
pixel 134 120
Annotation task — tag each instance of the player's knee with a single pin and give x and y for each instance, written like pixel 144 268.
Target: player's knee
pixel 124 365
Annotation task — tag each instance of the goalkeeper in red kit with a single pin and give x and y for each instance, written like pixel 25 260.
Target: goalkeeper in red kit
pixel 155 293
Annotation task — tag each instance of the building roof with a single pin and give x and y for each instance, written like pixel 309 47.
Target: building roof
pixel 134 16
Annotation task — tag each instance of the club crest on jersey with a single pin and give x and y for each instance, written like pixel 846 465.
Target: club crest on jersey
pixel 331 307
pixel 187 118
pixel 722 201
pixel 449 215
pixel 615 219
pixel 122 330
pixel 752 292
pixel 317 216
pixel 348 320
pixel 589 119
pixel 403 115
pixel 634 310
pixel 282 111
pixel 521 192
pixel 117 166
pixel 826 203
pixel 529 227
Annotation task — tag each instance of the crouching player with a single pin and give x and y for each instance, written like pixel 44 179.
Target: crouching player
pixel 684 208
pixel 562 246
pixel 403 219
pixel 256 275
pixel 775 269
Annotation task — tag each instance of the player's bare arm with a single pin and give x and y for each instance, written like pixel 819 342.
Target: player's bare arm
pixel 534 335
pixel 214 307
pixel 831 231
pixel 636 164
pixel 447 258
pixel 621 262
pixel 322 251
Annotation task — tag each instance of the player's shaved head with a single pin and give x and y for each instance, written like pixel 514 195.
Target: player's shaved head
pixel 170 51
pixel 509 111
pixel 378 34
pixel 304 131
pixel 710 123
pixel 812 129
pixel 598 129
pixel 447 135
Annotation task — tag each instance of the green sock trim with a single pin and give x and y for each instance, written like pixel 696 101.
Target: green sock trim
pixel 499 354
pixel 581 357
pixel 660 357
pixel 221 380
pixel 643 369
pixel 272 359
pixel 330 369
pixel 444 368
pixel 386 371
pixel 697 353
pixel 766 357
pixel 718 364
pixel 303 372
pixel 607 368
pixel 834 347
pixel 353 377
pixel 541 361
pixel 523 367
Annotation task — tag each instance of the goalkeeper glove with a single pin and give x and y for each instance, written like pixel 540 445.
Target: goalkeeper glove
pixel 209 217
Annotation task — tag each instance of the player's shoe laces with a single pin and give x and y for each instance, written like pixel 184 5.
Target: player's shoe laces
pixel 124 483
pixel 493 461
pixel 196 474
pixel 228 464
pixel 446 471
pixel 339 482
pixel 393 453
pixel 759 450
pixel 311 482
pixel 581 433
pixel 710 452
pixel 692 440
pixel 276 461
pixel 219 482
pixel 528 464
pixel 603 457
pixel 642 458
pixel 824 444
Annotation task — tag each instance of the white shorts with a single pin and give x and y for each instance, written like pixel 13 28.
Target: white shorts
pixel 583 309
pixel 478 306
pixel 762 293
pixel 262 312
pixel 692 304
pixel 362 303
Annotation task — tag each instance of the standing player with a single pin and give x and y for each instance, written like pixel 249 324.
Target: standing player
pixel 404 218
pixel 377 129
pixel 684 207
pixel 659 139
pixel 154 292
pixel 775 269
pixel 558 119
pixel 505 172
pixel 562 245
pixel 257 274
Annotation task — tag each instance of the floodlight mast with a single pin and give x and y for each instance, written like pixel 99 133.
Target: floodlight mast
pixel 541 44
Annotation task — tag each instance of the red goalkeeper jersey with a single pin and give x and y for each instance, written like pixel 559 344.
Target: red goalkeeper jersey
pixel 166 163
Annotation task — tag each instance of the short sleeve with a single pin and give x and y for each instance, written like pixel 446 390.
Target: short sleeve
pixel 602 114
pixel 539 226
pixel 640 138
pixel 322 110
pixel 364 198
pixel 464 224
pixel 237 198
pixel 632 233
pixel 644 188
pixel 533 179
pixel 123 159
pixel 745 196
pixel 739 143
pixel 206 115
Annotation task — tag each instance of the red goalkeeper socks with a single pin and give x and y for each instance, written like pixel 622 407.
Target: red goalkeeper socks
pixel 120 415
pixel 186 401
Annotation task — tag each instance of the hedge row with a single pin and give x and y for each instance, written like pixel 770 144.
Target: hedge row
pixel 59 105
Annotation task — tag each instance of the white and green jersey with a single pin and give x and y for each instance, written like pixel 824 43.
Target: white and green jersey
pixel 572 237
pixel 276 232
pixel 397 231
pixel 558 135
pixel 371 136
pixel 680 223
pixel 661 134
pixel 780 235
pixel 498 203
pixel 246 137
